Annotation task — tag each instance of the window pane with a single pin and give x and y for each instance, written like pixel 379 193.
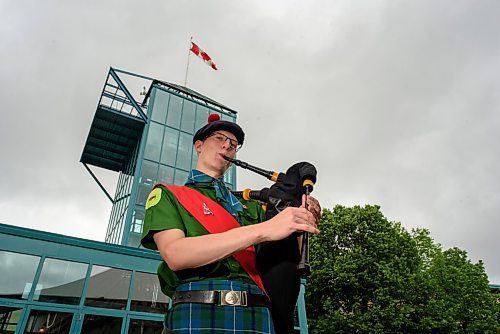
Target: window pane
pixel 184 151
pixel 9 319
pixel 147 295
pixel 18 271
pixel 134 238
pixel 61 281
pixel 48 322
pixel 137 221
pixel 225 117
pixel 201 117
pixel 169 149
pixel 108 287
pixel 149 171
pixel 174 111
pixel 160 106
pixel 153 143
pixel 188 116
pixel 228 175
pixel 180 177
pixel 140 326
pixel 99 324
pixel 194 159
pixel 166 174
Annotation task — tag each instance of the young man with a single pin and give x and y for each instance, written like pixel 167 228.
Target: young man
pixel 206 236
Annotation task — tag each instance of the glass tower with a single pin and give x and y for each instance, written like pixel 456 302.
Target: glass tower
pixel 147 143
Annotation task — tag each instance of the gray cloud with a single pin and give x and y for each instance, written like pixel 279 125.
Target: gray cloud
pixel 395 102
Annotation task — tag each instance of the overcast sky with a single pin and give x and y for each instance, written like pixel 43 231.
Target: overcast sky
pixel 396 102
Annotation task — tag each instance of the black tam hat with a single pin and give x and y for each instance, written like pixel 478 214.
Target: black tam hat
pixel 215 124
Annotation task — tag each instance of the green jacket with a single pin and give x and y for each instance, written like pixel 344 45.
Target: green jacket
pixel 164 212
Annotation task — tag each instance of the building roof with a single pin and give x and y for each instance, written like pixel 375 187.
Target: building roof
pixel 194 94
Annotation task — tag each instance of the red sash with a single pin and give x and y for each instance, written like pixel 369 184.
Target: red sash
pixel 215 219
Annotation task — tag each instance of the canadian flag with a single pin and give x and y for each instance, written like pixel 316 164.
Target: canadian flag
pixel 203 55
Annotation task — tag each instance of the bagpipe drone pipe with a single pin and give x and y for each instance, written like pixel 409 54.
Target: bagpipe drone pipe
pixel 282 263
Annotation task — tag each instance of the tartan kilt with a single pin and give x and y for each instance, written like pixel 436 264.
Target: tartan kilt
pixel 206 318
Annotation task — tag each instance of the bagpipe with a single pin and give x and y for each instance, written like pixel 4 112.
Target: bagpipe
pixel 282 263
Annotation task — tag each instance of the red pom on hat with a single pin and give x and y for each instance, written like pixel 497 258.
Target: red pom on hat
pixel 213 118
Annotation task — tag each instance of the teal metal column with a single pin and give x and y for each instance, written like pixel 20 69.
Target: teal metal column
pixel 301 306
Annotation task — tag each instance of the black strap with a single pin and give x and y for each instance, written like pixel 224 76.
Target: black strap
pixel 221 298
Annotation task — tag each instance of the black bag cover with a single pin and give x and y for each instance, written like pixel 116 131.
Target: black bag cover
pixel 277 261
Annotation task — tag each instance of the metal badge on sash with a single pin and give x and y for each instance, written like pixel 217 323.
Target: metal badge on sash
pixel 206 210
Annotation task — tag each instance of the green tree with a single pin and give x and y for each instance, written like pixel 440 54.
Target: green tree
pixel 462 288
pixel 370 275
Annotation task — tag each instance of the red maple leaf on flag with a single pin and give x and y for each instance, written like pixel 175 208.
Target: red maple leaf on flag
pixel 203 55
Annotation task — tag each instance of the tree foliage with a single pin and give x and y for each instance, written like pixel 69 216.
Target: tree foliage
pixel 370 275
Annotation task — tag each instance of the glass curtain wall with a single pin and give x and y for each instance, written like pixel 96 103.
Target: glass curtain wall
pixel 9 319
pixel 18 271
pixel 61 282
pixel 168 151
pixel 41 321
pixel 121 202
pixel 71 286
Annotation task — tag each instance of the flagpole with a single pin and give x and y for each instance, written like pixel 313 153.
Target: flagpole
pixel 187 67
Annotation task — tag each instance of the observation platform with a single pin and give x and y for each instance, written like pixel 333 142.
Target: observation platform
pixel 116 129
